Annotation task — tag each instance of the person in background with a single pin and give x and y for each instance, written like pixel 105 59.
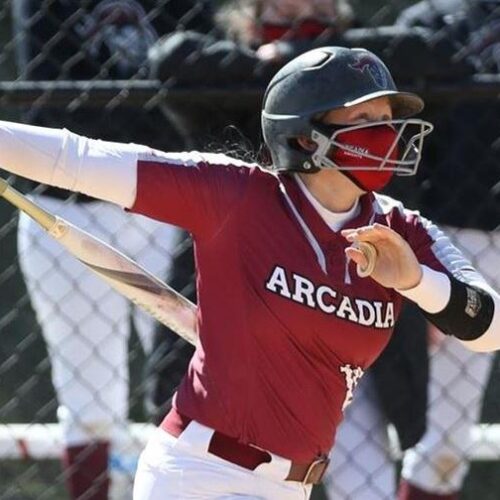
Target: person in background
pixel 456 187
pixel 280 29
pixel 85 324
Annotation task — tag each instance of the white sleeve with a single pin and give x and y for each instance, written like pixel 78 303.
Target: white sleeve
pixel 58 157
pixel 433 296
pixel 432 293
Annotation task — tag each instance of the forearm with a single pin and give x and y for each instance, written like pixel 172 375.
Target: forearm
pixel 57 157
pixel 468 310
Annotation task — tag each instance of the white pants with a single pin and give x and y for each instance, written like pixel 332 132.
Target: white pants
pixel 181 468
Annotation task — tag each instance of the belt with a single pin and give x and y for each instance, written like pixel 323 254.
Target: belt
pixel 245 455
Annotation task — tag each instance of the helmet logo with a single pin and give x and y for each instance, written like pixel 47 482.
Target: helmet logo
pixel 365 64
pixel 357 151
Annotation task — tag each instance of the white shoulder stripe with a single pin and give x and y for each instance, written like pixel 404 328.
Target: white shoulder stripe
pixel 193 158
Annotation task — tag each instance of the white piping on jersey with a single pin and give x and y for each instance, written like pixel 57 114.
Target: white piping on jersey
pixel 192 158
pixel 447 253
pixel 334 220
pixel 308 233
pixel 442 247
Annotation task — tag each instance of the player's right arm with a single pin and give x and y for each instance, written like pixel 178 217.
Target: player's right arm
pixel 58 157
pixel 191 190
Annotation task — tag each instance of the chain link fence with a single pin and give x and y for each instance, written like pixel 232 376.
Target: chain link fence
pixel 84 376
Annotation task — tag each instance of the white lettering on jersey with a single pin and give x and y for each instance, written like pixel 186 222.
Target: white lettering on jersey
pixel 389 315
pixel 320 299
pixel 277 283
pixel 378 314
pixel 346 311
pixel 366 312
pixel 352 377
pixel 302 290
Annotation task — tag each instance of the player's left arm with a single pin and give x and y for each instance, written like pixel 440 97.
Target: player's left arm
pixel 419 261
pixel 452 294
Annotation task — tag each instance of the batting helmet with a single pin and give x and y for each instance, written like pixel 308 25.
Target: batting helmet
pixel 318 81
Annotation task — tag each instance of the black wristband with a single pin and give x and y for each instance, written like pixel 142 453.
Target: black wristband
pixel 468 313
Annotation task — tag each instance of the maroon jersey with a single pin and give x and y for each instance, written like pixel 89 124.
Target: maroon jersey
pixel 286 326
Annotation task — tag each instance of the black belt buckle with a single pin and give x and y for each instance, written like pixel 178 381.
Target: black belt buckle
pixel 316 471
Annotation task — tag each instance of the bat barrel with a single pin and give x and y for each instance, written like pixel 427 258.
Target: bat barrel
pixel 118 270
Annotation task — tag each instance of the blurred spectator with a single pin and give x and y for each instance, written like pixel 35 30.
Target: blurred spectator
pixel 86 325
pixel 483 43
pixel 473 26
pixel 255 38
pixel 250 33
pixel 280 29
pixel 252 41
pixel 434 14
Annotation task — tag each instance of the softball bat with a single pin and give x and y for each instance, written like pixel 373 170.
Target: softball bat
pixel 119 271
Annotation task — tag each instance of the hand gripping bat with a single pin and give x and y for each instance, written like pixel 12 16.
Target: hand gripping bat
pixel 118 270
pixel 371 254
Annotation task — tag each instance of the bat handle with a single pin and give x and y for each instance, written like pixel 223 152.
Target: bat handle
pixel 371 254
pixel 3 186
pixel 37 213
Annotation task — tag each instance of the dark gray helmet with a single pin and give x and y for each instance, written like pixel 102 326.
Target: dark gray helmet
pixel 316 82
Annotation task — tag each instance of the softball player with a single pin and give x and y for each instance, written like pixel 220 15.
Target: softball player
pixel 286 325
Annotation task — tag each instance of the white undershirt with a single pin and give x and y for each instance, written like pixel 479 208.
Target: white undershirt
pixel 334 220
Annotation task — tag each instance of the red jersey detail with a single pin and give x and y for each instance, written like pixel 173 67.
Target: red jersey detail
pixel 282 343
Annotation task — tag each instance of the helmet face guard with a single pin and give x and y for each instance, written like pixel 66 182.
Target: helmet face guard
pixel 329 78
pixel 386 145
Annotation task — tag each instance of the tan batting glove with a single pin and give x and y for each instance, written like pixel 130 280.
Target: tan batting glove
pixel 396 265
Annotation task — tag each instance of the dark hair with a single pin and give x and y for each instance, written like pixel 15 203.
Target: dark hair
pixel 233 142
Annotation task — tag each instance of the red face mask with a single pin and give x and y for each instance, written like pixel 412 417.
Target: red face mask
pixel 376 141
